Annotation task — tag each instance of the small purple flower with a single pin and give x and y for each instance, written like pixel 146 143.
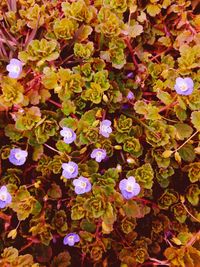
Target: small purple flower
pixel 105 128
pixel 184 86
pixel 14 68
pixel 98 154
pixel 129 188
pixel 130 95
pixel 5 197
pixel 82 185
pixel 70 170
pixel 68 134
pixel 17 156
pixel 129 75
pixel 71 239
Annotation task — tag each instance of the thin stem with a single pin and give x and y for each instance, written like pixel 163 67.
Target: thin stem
pixel 26 246
pixel 132 52
pixel 187 141
pixel 145 201
pixel 193 239
pixel 168 106
pixel 55 103
pixel 18 225
pixel 163 263
pixel 52 148
pixel 169 119
pixel 159 54
pixel 190 213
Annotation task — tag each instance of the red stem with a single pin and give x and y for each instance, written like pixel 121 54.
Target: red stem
pixel 168 106
pixel 146 201
pixel 132 52
pixel 55 103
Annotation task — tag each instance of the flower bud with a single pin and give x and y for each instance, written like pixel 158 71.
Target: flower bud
pixel 119 168
pixel 12 234
pixel 197 150
pixel 118 147
pixel 130 160
pixel 105 98
pixel 177 157
pixel 167 153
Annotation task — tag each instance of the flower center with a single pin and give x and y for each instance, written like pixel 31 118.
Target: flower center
pixel 183 87
pixel 83 184
pixel 99 154
pixel 3 196
pixel 15 68
pixel 104 128
pixel 70 169
pixel 71 238
pixel 129 187
pixel 68 134
pixel 18 156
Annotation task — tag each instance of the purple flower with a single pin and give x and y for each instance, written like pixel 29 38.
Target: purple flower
pixel 184 86
pixel 105 128
pixel 129 75
pixel 98 154
pixel 71 239
pixel 82 185
pixel 70 170
pixel 130 95
pixel 68 134
pixel 5 197
pixel 14 68
pixel 17 156
pixel 129 188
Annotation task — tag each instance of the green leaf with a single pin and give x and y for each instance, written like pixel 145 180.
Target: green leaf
pixel 195 119
pixel 62 260
pixel 38 152
pixel 180 113
pixel 55 191
pixel 89 116
pixel 135 210
pixel 63 147
pixel 69 122
pixel 183 131
pixel 164 97
pixel 187 153
pixel 193 193
pixel 13 133
pixel 36 208
pixel 68 107
pixel 88 226
pixel 152 113
pixel 135 30
pixel 109 217
pixel 140 107
pixel 149 111
pixel 153 10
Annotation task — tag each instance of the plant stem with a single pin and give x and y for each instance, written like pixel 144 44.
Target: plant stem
pixel 55 103
pixel 145 201
pixel 193 239
pixel 163 263
pixel 26 246
pixel 52 148
pixel 186 141
pixel 127 41
pixel 186 209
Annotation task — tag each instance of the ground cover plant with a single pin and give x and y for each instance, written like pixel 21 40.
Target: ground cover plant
pixel 100 133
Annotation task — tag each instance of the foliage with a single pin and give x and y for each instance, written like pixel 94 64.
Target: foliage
pixel 111 87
